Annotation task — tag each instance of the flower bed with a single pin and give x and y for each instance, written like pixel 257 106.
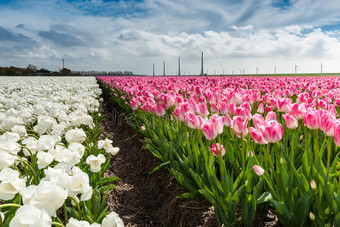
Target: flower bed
pixel 52 162
pixel 253 141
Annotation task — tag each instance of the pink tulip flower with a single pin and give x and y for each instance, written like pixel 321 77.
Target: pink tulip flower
pixel 311 119
pixel 258 170
pixel 257 136
pixel 209 130
pixel 220 149
pixel 273 132
pixel 290 121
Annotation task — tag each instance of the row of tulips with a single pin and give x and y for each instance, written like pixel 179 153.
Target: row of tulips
pixel 52 161
pixel 253 141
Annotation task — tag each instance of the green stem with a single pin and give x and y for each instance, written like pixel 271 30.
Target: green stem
pixel 65 214
pixel 316 145
pixel 58 224
pixel 77 204
pixel 10 205
pixel 329 150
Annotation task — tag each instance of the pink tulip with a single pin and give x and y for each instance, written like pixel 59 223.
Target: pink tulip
pixel 258 170
pixel 271 116
pixel 283 104
pixel 297 110
pixel 257 136
pixel 326 122
pixel 227 120
pixel 258 121
pixel 260 109
pixel 135 103
pixel 143 128
pixel 218 122
pixel 203 109
pixel 213 108
pixel 290 121
pixel 223 108
pixel 209 130
pixel 191 120
pixel 337 133
pixel 160 110
pixel 220 149
pixel 267 109
pixel 311 119
pixel 238 125
pixel 273 132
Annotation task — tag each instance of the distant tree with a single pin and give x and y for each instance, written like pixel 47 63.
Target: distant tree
pixel 32 67
pixel 65 72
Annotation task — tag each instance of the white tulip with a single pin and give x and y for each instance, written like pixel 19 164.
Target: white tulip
pixel 79 184
pixel 75 135
pixel 68 157
pixel 10 184
pixel 46 195
pixel 9 122
pixel 95 162
pixel 19 129
pixel 105 144
pixel 6 159
pixel 75 223
pixel 44 123
pixel 30 216
pixel 77 147
pixel 44 159
pixel 9 147
pixel 45 142
pixel 30 143
pixel 113 150
pixel 112 220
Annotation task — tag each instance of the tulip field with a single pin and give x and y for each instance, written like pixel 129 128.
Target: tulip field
pixel 257 143
pixel 52 161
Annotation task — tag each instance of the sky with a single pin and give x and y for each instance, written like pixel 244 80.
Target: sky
pixel 119 35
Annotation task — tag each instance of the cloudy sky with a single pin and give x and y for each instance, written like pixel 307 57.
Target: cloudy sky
pixel 112 35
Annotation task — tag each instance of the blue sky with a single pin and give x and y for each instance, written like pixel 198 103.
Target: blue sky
pixel 132 35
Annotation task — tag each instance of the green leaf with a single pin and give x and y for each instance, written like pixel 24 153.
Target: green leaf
pixel 108 187
pixel 106 180
pixel 159 166
pixel 189 195
pixel 302 207
pixel 264 197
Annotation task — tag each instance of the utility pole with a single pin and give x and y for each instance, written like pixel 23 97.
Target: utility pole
pixel 296 66
pixel 163 68
pixel 202 64
pixel 63 63
pixel 179 66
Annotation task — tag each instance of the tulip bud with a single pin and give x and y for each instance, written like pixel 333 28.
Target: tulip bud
pixel 313 184
pixel 73 202
pixel 311 216
pixel 258 170
pixel 143 128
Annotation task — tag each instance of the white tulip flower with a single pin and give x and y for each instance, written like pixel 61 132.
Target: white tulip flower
pixel 30 216
pixel 10 184
pixel 6 159
pixel 9 147
pixel 19 129
pixel 75 135
pixel 44 159
pixel 95 162
pixel 112 220
pixel 46 195
pixel 77 147
pixel 75 223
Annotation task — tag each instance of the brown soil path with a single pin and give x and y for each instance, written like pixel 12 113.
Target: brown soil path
pixel 143 199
